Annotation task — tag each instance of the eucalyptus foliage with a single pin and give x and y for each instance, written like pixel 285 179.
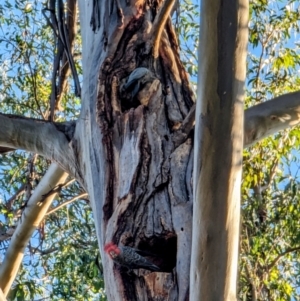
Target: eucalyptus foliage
pixel 270 245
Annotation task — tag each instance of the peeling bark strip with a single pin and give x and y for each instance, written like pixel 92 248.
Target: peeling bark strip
pixel 140 199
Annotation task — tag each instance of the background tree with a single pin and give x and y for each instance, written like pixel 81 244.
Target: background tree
pixel 135 161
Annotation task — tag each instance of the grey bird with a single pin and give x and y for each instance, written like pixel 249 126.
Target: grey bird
pixel 137 78
pixel 129 257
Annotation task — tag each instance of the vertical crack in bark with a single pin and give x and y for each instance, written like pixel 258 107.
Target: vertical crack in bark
pixel 95 22
pixel 143 175
pixel 103 113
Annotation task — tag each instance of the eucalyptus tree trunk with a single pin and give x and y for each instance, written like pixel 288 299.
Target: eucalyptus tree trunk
pixel 135 150
pixel 218 149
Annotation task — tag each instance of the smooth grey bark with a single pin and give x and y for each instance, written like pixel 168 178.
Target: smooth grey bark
pixel 218 150
pixel 272 116
pixel 34 212
pixel 37 136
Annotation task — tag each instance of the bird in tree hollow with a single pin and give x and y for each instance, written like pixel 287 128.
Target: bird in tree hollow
pixel 137 79
pixel 128 257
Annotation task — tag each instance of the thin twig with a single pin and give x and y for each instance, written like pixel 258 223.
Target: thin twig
pixel 289 250
pixel 42 252
pixel 272 175
pixel 250 277
pixel 66 203
pixel 69 182
pixel 34 84
pixel 71 21
pixel 11 200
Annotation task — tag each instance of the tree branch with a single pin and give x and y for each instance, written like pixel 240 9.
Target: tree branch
pixel 10 201
pixel 262 120
pixel 71 13
pixel 250 277
pixel 42 252
pixel 270 117
pixel 159 24
pixel 33 214
pixel 4 150
pixel 2 297
pixel 66 203
pixel 44 138
pixel 279 256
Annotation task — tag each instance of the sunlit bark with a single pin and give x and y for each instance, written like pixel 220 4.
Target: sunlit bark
pixel 34 212
pixel 218 150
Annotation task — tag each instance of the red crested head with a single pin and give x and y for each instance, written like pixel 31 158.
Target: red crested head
pixel 112 250
pixel 108 246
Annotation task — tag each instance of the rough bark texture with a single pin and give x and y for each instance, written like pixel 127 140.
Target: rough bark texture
pixel 218 150
pixel 138 178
